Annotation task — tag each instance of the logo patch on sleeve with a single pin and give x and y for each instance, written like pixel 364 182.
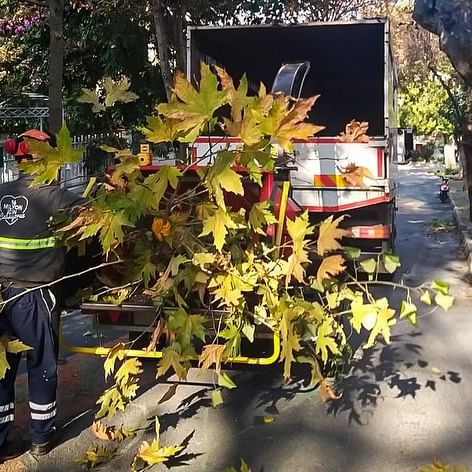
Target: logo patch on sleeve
pixel 13 208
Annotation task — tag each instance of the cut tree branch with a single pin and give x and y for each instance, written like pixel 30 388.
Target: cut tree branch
pixel 55 282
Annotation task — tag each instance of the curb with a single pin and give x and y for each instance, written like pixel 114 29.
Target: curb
pixel 460 211
pixel 64 455
pixel 136 415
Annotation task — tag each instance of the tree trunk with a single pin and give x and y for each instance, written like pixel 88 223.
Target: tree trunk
pixel 451 20
pixel 180 38
pixel 158 12
pixel 56 63
pixel 467 147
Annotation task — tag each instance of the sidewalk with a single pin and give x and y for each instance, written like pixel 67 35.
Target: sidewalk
pixel 460 205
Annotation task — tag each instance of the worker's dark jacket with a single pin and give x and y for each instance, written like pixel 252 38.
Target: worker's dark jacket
pixel 28 256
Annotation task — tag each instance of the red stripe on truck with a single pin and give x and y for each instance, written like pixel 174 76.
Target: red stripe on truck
pixel 347 206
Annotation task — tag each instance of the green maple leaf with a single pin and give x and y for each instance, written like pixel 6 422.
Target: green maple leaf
pixel 172 359
pixel 158 183
pixel 194 108
pixel 91 96
pixel 186 326
pixel 111 231
pixel 90 230
pixel 222 178
pixel 218 225
pixel 260 216
pixel 143 199
pixel 383 322
pixel 324 341
pixel 117 91
pixel 232 336
pixel 49 160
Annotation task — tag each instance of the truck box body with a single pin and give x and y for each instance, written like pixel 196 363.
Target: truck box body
pixel 352 71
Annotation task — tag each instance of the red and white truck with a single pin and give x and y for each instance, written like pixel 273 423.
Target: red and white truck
pixel 352 70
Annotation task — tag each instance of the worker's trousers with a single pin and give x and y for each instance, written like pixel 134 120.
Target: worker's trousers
pixel 31 318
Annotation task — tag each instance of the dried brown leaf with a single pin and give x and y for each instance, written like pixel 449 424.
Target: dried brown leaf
pixel 328 392
pixel 355 132
pixel 354 175
pixel 102 431
pixel 211 354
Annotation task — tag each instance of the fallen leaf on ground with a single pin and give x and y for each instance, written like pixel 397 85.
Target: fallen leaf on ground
pixel 328 392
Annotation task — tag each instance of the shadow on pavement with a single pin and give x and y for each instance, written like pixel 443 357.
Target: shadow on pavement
pixel 386 366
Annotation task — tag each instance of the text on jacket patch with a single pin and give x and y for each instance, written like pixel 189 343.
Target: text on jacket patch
pixel 13 208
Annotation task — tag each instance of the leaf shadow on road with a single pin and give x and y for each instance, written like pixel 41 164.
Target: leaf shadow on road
pixel 398 369
pixel 187 408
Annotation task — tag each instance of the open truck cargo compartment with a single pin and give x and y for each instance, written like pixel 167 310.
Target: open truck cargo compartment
pixel 347 65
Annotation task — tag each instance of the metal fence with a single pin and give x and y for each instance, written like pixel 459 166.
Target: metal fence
pixel 72 175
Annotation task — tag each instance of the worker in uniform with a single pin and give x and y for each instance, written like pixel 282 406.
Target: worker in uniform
pixel 29 258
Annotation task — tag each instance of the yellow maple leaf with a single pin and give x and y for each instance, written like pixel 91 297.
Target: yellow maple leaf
pixel 293 125
pixel 218 225
pixel 116 352
pixel 290 339
pixel 329 234
pixel 96 455
pixel 385 319
pixel 193 108
pixel 330 266
pixel 298 229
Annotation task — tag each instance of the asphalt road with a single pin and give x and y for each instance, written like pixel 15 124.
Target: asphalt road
pixel 402 404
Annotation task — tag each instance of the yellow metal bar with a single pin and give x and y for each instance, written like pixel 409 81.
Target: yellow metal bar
pixel 273 358
pixel 281 220
pixel 88 189
pixel 104 351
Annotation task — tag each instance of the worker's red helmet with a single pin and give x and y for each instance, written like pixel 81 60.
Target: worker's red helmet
pixel 19 147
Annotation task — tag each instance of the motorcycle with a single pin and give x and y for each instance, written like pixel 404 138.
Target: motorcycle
pixel 444 190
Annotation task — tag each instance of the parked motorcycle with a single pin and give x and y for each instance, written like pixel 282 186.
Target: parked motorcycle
pixel 444 190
